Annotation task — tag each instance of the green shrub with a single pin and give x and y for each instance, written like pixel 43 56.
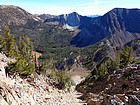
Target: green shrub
pixel 103 70
pixel 61 77
pixel 137 61
pixel 126 56
pixel 64 79
pixel 21 66
pixel 128 75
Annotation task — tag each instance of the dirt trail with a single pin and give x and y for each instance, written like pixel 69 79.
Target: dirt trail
pixel 66 98
pixel 62 98
pixel 77 79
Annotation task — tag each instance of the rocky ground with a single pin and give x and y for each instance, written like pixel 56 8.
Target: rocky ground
pixel 40 90
pixel 34 90
pixel 120 88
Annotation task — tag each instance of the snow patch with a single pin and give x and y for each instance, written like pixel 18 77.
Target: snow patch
pixel 66 26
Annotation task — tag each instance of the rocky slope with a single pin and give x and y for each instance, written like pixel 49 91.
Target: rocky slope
pixel 34 90
pixel 13 15
pixel 120 88
pixel 40 91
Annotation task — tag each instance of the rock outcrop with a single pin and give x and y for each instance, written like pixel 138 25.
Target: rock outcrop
pixel 3 63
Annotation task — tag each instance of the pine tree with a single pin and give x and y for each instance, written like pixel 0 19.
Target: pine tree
pixel 103 70
pixel 2 43
pixel 126 56
pixel 26 56
pixel 117 61
pixel 26 48
pixel 10 47
pixel 23 53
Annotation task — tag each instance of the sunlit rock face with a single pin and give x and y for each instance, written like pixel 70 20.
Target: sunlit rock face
pixel 73 20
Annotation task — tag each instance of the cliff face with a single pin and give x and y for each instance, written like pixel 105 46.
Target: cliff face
pixel 70 21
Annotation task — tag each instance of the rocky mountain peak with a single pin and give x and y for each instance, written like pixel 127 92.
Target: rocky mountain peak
pixel 68 20
pixel 72 19
pixel 119 10
pixel 72 15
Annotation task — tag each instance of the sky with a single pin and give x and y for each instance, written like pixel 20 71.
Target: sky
pixel 83 7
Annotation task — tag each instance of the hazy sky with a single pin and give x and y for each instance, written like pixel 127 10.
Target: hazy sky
pixel 83 7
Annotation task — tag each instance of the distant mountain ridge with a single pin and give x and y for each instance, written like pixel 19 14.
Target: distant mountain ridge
pixel 119 25
pixel 70 21
pixel 73 19
pixel 46 16
pixel 10 14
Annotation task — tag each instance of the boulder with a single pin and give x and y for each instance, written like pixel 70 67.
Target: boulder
pixel 133 100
